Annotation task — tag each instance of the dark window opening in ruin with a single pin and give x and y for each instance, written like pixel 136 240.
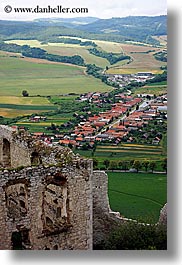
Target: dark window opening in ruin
pixel 6 153
pixel 49 222
pixel 59 179
pixel 22 191
pixel 55 247
pixel 46 248
pixel 55 201
pixel 16 240
pixel 35 159
pixel 20 240
pixel 22 204
pixel 58 215
pixel 25 237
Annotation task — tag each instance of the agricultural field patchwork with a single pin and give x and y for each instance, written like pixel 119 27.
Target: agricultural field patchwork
pixel 142 60
pixel 65 50
pixel 11 107
pixel 142 55
pixel 126 152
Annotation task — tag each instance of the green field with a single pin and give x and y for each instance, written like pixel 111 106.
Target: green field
pixel 126 152
pixel 42 125
pixel 153 88
pixel 137 195
pixel 13 106
pixel 40 77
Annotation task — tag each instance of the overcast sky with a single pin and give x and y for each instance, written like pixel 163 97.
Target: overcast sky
pixel 98 8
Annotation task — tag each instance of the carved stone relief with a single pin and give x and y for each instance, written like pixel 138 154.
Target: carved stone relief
pixel 16 200
pixel 55 205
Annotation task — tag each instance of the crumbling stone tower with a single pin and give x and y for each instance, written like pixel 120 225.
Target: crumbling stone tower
pixel 45 195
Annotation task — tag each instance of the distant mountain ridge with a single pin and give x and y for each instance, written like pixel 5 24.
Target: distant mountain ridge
pixel 133 28
pixel 76 20
pixel 129 26
pixel 156 23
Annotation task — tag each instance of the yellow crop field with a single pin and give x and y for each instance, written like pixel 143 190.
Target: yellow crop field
pixel 13 113
pixel 24 100
pixel 31 43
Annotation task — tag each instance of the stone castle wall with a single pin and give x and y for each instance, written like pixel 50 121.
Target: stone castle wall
pixel 17 153
pixel 50 207
pixel 104 219
pixel 51 198
pixel 48 203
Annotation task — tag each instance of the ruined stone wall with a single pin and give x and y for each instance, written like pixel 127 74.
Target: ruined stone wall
pixel 13 151
pixel 45 195
pixel 55 202
pixel 50 208
pixel 104 219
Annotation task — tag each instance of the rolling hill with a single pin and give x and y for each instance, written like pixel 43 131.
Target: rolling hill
pixel 134 28
pixel 71 22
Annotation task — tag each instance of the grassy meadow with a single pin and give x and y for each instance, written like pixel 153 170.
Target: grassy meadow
pixel 138 196
pixel 153 88
pixel 38 78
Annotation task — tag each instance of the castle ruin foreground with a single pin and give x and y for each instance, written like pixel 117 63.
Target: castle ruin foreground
pixel 49 197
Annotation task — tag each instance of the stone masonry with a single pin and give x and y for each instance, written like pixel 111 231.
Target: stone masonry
pixel 51 199
pixel 45 195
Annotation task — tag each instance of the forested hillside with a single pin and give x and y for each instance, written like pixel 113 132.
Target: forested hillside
pixel 139 29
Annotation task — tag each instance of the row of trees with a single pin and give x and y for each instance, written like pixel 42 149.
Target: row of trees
pixel 161 56
pixel 134 164
pixel 96 71
pixel 73 41
pixel 111 57
pixel 39 53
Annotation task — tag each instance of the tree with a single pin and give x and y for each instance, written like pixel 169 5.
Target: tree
pixel 123 164
pixel 85 146
pixel 113 165
pixel 145 164
pixel 25 93
pixel 131 162
pixel 106 163
pixel 95 163
pixel 70 146
pixel 164 164
pixel 137 164
pixel 132 236
pixel 152 165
